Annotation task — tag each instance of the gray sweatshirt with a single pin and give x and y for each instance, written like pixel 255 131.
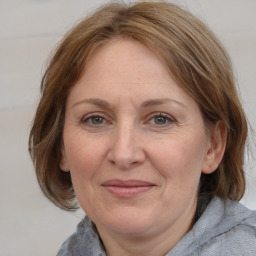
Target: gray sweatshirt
pixel 224 229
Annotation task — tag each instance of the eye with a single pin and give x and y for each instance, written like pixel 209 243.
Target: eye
pixel 160 119
pixel 94 120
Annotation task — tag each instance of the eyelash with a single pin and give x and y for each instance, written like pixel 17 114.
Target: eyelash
pixel 87 119
pixel 167 118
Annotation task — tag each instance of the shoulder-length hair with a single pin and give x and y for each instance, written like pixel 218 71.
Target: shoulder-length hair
pixel 192 54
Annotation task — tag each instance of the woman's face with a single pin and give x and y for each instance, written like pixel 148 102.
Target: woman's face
pixel 134 142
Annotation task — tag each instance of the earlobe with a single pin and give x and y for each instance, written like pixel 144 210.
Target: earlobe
pixel 216 150
pixel 63 161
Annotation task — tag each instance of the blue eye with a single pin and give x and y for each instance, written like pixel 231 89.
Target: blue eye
pixel 161 119
pixel 94 120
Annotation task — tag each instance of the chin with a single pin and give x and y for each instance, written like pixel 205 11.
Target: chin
pixel 128 220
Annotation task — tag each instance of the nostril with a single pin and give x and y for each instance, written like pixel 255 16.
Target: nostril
pixel 112 162
pixel 125 165
pixel 124 152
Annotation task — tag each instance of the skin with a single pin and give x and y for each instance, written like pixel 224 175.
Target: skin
pixel 127 119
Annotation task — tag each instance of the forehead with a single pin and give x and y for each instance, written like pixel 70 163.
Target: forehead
pixel 124 68
pixel 124 59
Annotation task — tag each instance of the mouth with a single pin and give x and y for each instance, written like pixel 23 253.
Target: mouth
pixel 127 188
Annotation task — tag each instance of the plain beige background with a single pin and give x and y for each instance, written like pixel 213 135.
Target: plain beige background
pixel 29 224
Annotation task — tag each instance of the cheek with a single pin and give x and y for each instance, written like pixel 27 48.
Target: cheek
pixel 180 162
pixel 82 156
pixel 181 173
pixel 84 160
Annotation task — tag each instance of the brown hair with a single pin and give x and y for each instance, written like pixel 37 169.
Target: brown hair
pixel 189 50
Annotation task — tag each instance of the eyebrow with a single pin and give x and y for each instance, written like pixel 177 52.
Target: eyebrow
pixel 94 101
pixel 156 102
pixel 146 104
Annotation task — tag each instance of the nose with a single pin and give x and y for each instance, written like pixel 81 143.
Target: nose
pixel 126 149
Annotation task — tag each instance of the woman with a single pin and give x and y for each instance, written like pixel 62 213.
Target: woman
pixel 140 121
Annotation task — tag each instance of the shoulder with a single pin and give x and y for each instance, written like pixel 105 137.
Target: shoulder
pixel 233 231
pixel 67 248
pixel 238 241
pixel 225 228
pixel 84 242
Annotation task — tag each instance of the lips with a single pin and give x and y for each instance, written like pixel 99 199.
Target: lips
pixel 127 188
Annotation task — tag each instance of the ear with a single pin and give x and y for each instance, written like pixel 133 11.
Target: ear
pixel 63 161
pixel 216 148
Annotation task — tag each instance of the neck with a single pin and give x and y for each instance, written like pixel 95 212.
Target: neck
pixel 151 245
pixel 137 247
